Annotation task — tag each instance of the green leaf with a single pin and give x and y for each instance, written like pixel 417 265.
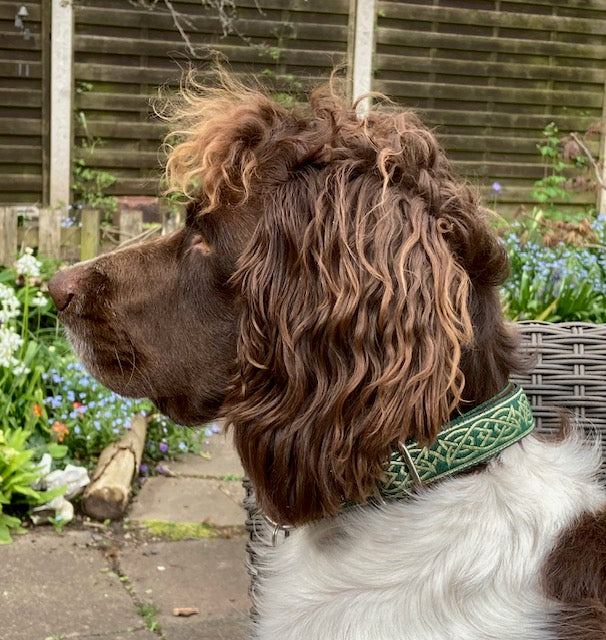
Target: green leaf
pixel 57 450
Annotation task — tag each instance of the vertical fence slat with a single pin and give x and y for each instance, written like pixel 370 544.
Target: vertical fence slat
pixel 363 53
pixel 89 240
pixel 601 198
pixel 61 111
pixel 131 225
pixel 8 235
pixel 49 241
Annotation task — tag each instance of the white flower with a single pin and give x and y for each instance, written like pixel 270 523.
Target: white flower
pixel 38 300
pixel 28 265
pixel 9 343
pixel 9 304
pixel 19 368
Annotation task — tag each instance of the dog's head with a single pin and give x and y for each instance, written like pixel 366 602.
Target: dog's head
pixel 333 292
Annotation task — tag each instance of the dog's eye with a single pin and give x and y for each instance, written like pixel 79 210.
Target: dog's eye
pixel 200 243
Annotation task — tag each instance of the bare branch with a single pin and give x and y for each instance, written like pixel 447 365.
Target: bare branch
pixel 177 18
pixel 591 159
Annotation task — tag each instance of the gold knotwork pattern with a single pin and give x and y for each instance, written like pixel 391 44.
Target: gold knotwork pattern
pixel 467 441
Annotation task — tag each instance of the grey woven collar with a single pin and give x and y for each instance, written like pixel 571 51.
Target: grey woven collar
pixel 467 441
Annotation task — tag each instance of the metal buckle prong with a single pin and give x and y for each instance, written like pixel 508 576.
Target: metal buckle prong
pixel 414 474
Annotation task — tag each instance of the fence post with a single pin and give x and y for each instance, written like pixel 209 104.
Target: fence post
pixel 131 225
pixel 363 50
pixel 49 233
pixel 62 26
pixel 8 235
pixel 89 238
pixel 601 200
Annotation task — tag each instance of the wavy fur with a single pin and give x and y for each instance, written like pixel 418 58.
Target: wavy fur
pixel 359 288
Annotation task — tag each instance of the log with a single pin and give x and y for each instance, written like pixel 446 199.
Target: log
pixel 106 497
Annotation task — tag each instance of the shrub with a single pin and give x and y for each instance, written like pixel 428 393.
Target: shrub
pixel 18 473
pixel 557 279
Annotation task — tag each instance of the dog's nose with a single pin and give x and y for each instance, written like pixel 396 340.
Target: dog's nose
pixel 62 287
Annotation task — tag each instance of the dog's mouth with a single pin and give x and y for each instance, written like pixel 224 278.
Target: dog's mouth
pixel 122 370
pixel 114 363
pixel 183 411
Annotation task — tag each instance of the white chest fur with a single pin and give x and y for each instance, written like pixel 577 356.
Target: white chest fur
pixel 461 561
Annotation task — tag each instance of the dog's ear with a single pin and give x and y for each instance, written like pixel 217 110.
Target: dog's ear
pixel 355 316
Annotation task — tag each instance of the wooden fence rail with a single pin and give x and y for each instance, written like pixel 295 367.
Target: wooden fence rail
pixel 87 240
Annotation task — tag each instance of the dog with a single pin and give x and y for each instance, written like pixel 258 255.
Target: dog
pixel 333 295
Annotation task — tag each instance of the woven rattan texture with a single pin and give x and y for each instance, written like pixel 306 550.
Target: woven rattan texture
pixel 568 371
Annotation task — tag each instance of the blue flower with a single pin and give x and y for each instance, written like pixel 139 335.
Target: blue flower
pixel 496 187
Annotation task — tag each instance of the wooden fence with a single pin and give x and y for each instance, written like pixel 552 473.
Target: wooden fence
pixel 123 54
pixel 87 239
pixel 24 101
pixel 489 75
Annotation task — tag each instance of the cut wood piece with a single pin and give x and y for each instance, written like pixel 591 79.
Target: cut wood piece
pixel 106 497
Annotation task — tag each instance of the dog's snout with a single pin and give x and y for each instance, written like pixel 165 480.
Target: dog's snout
pixel 62 287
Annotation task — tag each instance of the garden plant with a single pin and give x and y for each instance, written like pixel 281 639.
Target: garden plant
pixel 50 404
pixel 557 254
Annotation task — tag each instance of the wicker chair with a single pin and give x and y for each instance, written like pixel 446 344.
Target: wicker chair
pixel 568 371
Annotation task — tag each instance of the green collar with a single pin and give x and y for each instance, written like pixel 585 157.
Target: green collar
pixel 468 440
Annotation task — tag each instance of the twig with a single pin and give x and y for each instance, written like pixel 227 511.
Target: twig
pixel 591 159
pixel 176 16
pixel 148 233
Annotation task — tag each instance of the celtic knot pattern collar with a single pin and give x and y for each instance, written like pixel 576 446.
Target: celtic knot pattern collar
pixel 466 441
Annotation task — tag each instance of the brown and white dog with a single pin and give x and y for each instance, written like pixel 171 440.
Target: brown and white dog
pixel 333 293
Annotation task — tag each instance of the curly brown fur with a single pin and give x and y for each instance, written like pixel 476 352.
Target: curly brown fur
pixel 336 271
pixel 368 289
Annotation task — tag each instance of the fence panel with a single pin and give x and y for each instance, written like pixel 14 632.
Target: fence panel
pixel 490 75
pixel 123 53
pixel 24 79
pixel 43 230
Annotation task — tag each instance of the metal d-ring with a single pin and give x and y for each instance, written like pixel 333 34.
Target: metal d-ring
pixel 276 529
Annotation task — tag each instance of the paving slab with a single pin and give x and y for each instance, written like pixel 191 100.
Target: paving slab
pixel 136 634
pixel 58 586
pixel 208 574
pixel 217 502
pixel 230 627
pixel 218 459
